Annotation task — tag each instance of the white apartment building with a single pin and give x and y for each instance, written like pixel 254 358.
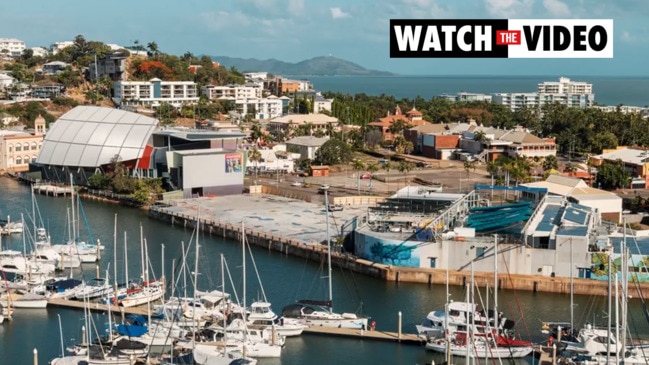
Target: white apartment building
pixel 154 92
pixel 255 75
pixel 40 52
pixel 57 47
pixel 565 86
pixel 624 109
pixel 464 96
pixel 516 101
pixel 248 91
pixel 13 46
pixel 264 108
pixel 321 104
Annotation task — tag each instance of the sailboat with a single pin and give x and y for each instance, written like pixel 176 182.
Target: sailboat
pixel 319 313
pixel 86 253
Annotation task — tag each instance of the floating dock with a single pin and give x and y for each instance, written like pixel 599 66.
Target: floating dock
pixel 52 190
pixel 405 338
pixel 95 307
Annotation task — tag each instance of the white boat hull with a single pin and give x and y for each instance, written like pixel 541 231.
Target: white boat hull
pixel 141 298
pixel 355 323
pixel 27 304
pixel 210 354
pixel 480 350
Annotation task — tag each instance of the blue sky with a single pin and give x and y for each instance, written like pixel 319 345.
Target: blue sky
pixel 294 30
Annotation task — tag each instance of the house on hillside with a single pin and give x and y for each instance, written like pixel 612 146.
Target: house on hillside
pixel 635 160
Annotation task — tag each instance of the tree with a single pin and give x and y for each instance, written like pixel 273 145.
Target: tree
pixel 255 132
pixel 398 126
pixel 99 181
pixel 153 48
pixel 612 175
pixel 387 166
pixel 333 152
pixel 469 165
pixel 404 168
pixel 165 112
pixel 550 162
pixel 255 156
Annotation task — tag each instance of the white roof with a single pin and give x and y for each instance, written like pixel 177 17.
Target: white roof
pixel 298 119
pixel 627 155
pixel 90 136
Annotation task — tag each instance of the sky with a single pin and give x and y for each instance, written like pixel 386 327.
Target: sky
pixel 295 30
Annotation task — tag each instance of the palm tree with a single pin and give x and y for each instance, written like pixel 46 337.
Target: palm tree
pixel 372 167
pixel 387 166
pixel 469 165
pixel 358 165
pixel 398 126
pixel 404 167
pixel 153 48
pixel 255 156
pixel 255 132
pixel 550 163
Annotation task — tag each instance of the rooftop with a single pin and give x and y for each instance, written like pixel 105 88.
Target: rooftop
pixel 305 118
pixel 308 141
pixel 627 155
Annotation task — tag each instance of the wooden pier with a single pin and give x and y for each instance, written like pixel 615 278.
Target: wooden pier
pixel 96 307
pixel 405 338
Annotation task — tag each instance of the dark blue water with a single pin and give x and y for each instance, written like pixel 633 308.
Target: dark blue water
pixel 608 90
pixel 285 279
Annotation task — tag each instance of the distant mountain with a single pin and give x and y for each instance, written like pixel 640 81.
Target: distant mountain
pixel 318 66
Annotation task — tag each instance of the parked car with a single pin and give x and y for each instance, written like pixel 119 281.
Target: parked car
pixel 366 176
pixel 296 183
pixel 335 207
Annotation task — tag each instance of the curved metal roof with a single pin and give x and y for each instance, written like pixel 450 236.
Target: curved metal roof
pixel 90 136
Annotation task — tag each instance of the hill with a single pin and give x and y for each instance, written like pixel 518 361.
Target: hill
pixel 318 66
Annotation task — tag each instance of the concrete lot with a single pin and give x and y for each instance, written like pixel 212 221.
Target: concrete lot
pixel 290 218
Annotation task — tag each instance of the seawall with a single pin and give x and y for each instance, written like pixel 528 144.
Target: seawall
pixel 318 253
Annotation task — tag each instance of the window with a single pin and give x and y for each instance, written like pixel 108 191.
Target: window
pixel 26 146
pixel 479 251
pixel 19 160
pixel 11 148
pixel 19 147
pixel 33 158
pixel 33 146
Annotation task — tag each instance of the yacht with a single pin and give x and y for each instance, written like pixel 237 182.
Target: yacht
pixel 261 315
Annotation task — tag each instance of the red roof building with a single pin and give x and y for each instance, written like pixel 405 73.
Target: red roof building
pixel 412 118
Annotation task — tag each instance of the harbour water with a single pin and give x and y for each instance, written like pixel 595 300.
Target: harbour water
pixel 285 280
pixel 608 90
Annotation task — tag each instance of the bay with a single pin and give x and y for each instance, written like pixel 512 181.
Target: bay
pixel 609 90
pixel 285 280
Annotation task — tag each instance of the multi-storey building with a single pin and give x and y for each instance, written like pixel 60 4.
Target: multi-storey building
pixel 57 47
pixel 154 92
pixel 261 108
pixel 248 91
pixel 18 148
pixel 11 47
pixel 464 96
pixel 573 94
pixel 112 66
pixel 565 86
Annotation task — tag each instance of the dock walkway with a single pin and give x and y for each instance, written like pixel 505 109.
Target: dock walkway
pixel 405 338
pixel 97 307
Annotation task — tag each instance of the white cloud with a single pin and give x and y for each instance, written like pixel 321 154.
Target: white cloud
pixel 509 8
pixel 338 13
pixel 556 8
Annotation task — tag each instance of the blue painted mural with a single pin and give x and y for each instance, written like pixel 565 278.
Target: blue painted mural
pixel 388 251
pixel 638 267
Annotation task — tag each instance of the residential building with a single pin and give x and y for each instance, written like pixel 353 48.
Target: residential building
pixel 574 94
pixel 194 68
pixel 57 47
pixel 54 67
pixel 255 75
pixel 288 123
pixel 440 146
pixel 624 109
pixel 19 148
pixel 11 47
pixel 154 92
pixel 47 91
pixel 112 66
pixel 248 91
pixel 412 118
pixel 6 81
pixel 605 204
pixel 307 146
pixel 261 108
pixel 511 143
pixel 279 86
pixel 321 104
pixel 634 159
pixel 7 119
pixel 40 52
pixel 565 86
pixel 464 96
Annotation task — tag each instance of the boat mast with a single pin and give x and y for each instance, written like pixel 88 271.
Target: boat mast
pixel 496 324
pixel 624 251
pixel 572 291
pixel 243 250
pixel 115 259
pixel 331 303
pixel 608 327
pixel 73 231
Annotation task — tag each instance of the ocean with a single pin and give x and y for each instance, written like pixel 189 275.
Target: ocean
pixel 608 90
